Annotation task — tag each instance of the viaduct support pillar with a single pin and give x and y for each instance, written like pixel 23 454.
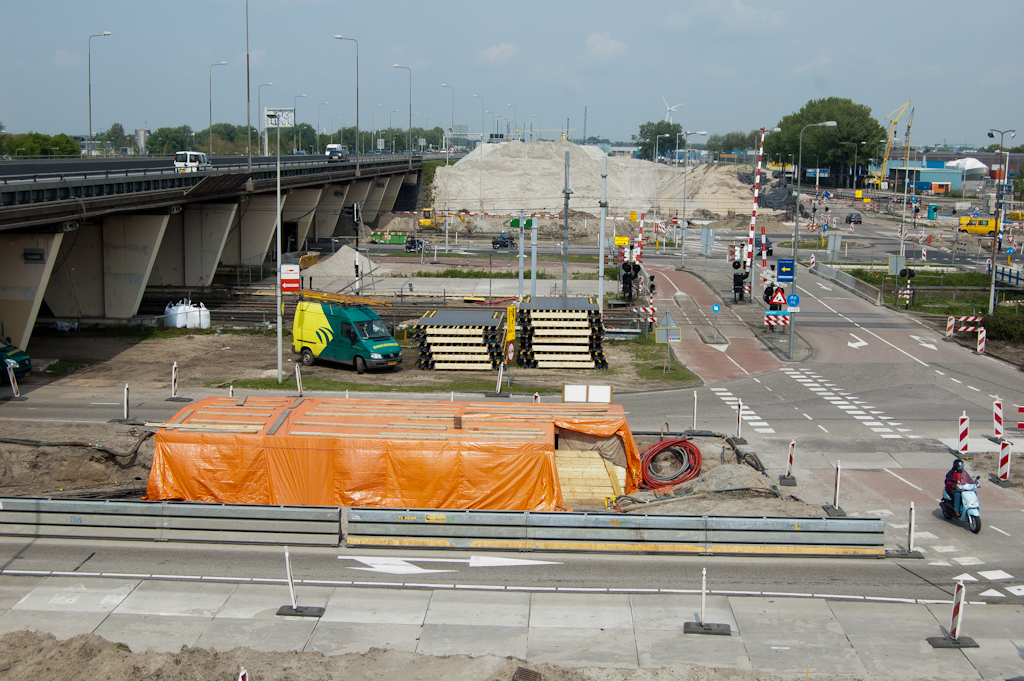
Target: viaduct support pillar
pixel 26 261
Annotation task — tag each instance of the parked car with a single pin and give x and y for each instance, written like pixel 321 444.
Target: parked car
pixel 503 241
pixel 15 358
pixel 853 219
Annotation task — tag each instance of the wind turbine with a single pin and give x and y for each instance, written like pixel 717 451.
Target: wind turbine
pixel 670 109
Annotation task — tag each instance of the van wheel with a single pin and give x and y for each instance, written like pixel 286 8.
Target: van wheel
pixel 963 231
pixel 991 233
pixel 306 357
pixel 360 365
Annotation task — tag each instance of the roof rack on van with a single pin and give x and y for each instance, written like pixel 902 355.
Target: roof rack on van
pixel 343 298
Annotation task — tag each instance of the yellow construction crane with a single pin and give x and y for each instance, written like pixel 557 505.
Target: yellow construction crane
pixel 893 119
pixel 906 148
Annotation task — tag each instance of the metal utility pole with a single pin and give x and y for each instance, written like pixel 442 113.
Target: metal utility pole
pixel 1000 214
pixel 600 247
pixel 565 232
pixel 89 148
pixel 248 95
pixel 522 256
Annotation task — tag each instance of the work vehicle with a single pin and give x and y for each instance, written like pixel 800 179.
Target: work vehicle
pixel 968 510
pixel 325 329
pixel 436 218
pixel 336 152
pixel 982 226
pixel 413 245
pixel 191 162
pixel 854 219
pixel 503 241
pixel 15 358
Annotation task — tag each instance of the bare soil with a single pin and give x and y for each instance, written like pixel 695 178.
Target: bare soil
pixel 35 656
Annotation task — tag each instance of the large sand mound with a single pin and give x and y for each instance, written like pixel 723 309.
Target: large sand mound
pixel 507 177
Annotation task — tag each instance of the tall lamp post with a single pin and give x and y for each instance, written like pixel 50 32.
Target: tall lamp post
pixel 209 133
pixel 481 153
pixel 856 148
pixel 259 108
pixel 297 142
pixel 515 120
pixel 682 241
pixel 409 69
pixel 318 124
pixel 657 176
pixel 338 37
pixel 373 128
pixel 1000 213
pixel 333 128
pixel 89 148
pixel 391 132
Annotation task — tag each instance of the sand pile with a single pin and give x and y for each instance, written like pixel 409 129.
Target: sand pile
pixel 510 176
pixel 339 264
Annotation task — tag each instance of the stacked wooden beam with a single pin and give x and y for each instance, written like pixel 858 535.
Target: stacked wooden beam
pixel 587 478
pixel 460 339
pixel 561 333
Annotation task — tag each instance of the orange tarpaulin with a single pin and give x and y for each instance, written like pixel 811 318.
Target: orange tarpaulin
pixel 340 452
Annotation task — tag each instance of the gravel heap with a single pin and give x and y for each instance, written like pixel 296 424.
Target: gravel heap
pixel 339 264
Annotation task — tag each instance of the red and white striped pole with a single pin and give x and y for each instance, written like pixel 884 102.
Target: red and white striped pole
pixel 789 465
pixel 839 476
pixel 958 611
pixel 749 259
pixel 965 427
pixel 812 260
pixel 1004 461
pixel 997 417
pixel 14 382
pixel 949 326
pixel 174 380
pixel 981 341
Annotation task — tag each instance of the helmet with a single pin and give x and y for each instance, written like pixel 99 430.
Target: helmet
pixel 958 465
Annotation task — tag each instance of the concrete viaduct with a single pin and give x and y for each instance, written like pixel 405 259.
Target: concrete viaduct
pixel 88 237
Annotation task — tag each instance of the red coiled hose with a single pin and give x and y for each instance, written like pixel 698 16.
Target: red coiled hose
pixel 686 453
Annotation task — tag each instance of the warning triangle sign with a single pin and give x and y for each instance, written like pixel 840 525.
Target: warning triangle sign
pixel 778 298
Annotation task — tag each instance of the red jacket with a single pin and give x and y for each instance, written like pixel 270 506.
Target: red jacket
pixel 953 479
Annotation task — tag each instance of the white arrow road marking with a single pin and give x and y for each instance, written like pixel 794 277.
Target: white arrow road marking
pixel 827 288
pixel 925 342
pixel 404 566
pixel 859 344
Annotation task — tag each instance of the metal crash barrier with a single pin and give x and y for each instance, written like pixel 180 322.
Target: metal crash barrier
pixel 614 532
pixel 170 521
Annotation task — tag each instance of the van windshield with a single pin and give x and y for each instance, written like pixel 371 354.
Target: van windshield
pixel 181 157
pixel 373 329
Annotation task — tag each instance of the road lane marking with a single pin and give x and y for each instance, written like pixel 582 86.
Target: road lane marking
pixel 993 527
pixel 903 479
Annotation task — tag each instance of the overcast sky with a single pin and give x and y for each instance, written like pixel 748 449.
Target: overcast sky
pixel 729 64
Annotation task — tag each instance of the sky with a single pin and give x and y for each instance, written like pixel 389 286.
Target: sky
pixel 728 64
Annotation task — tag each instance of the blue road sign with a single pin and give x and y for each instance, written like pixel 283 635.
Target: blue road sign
pixel 785 269
pixel 716 308
pixel 1009 250
pixel 793 300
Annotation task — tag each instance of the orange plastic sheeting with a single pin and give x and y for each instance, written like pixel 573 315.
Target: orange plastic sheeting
pixel 337 452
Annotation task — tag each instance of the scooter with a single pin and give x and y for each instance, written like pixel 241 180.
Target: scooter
pixel 969 508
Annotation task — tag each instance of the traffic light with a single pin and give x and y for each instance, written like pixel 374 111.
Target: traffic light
pixel 651 286
pixel 826 209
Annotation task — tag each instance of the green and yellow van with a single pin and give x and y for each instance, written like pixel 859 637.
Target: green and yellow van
pixel 343 333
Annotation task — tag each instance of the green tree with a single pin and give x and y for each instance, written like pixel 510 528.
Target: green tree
pixel 653 131
pixel 117 139
pixel 733 141
pixel 828 147
pixel 166 141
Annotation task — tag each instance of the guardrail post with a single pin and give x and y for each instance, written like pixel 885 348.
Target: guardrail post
pixel 294 610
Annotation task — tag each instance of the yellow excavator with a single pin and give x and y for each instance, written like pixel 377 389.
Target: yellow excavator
pixel 435 218
pixel 881 176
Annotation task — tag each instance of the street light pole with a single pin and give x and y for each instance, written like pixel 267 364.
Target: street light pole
pixel 1000 213
pixel 318 124
pixel 209 133
pixel 447 149
pixel 515 119
pixel 338 37
pixel 391 132
pixel 89 148
pixel 686 139
pixel 481 154
pixel 298 133
pixel 259 108
pixel 409 69
pixel 657 176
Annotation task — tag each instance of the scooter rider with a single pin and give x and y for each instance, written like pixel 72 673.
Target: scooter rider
pixel 955 477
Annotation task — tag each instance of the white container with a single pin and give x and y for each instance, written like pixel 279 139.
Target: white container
pixel 191 316
pixel 179 315
pixel 170 315
pixel 204 317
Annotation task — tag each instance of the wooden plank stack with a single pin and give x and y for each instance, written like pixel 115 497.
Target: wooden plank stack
pixel 587 478
pixel 460 339
pixel 561 333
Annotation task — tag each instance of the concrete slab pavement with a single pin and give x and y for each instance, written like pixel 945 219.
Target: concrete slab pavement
pixel 626 631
